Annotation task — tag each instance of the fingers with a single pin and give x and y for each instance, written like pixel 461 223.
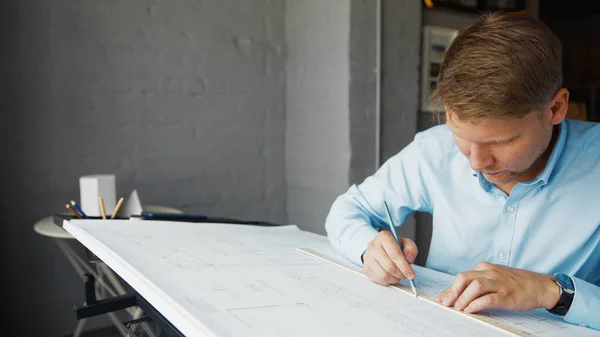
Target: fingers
pixel 410 249
pixel 461 282
pixel 477 288
pixel 385 263
pixel 395 254
pixel 388 264
pixel 377 273
pixel 488 301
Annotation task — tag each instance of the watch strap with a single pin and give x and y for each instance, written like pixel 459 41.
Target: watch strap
pixel 564 301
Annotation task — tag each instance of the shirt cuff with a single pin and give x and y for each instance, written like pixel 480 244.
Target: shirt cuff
pixel 584 308
pixel 360 241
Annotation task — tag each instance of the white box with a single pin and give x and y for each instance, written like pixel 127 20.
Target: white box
pixel 93 186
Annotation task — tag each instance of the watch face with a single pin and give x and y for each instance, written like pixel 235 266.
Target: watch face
pixel 565 281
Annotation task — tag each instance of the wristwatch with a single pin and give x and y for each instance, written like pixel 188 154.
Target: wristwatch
pixel 567 292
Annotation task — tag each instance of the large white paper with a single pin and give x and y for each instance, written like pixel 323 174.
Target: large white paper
pixel 233 280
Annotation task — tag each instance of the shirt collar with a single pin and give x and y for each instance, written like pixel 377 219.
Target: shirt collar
pixel 542 178
pixel 559 146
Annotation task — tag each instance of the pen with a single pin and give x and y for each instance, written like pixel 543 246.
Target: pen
pixel 393 230
pixel 74 211
pixel 117 208
pixel 101 201
pixel 78 209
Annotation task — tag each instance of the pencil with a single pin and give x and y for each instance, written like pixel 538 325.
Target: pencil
pixel 74 211
pixel 393 230
pixel 117 208
pixel 79 210
pixel 102 208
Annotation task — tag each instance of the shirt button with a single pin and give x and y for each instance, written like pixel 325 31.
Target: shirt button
pixel 510 209
pixel 501 255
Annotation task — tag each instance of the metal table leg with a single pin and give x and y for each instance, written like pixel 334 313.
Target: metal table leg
pixel 81 268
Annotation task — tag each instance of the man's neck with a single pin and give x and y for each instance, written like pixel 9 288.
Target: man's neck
pixel 535 169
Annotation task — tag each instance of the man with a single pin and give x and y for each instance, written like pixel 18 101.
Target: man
pixel 513 186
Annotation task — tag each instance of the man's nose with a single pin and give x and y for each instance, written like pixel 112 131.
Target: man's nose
pixel 480 157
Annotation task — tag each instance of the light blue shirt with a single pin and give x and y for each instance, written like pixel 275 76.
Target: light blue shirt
pixel 547 225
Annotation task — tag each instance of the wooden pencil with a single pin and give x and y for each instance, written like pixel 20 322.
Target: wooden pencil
pixel 70 208
pixel 114 214
pixel 102 207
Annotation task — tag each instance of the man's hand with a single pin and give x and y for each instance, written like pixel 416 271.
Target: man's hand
pixel 496 286
pixel 385 263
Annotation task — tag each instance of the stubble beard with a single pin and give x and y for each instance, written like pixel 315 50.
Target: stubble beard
pixel 509 176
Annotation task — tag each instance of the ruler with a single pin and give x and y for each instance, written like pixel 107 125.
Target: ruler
pixel 493 323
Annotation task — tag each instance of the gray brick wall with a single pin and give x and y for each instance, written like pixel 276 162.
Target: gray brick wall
pixel 183 100
pixel 317 148
pixel 330 98
pixel 363 89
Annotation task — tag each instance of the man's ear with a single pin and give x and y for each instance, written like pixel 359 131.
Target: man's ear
pixel 559 106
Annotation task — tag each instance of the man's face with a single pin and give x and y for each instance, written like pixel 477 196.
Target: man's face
pixel 502 149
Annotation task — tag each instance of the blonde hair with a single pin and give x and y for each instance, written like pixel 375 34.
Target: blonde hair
pixel 501 66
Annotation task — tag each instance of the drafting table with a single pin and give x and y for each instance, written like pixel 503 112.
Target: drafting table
pixel 237 280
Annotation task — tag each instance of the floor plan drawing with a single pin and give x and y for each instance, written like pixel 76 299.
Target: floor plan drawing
pixel 234 280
